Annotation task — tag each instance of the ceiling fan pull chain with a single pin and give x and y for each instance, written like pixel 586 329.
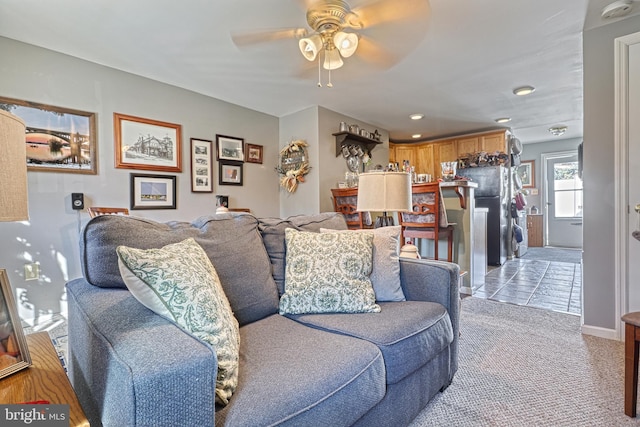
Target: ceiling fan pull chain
pixel 319 74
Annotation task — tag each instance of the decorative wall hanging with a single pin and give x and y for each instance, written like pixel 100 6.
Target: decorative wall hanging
pixel 230 148
pixel 147 144
pixel 229 173
pixel 58 139
pixel 293 164
pixel 253 153
pixel 201 172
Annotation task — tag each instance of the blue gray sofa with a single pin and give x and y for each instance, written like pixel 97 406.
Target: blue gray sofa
pixel 131 367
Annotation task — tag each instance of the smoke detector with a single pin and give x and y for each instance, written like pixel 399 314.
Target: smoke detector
pixel 617 9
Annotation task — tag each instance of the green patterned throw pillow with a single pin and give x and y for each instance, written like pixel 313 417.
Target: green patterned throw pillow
pixel 328 273
pixel 179 283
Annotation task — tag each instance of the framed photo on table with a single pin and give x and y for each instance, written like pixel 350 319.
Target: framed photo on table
pixel 153 191
pixel 201 166
pixel 230 173
pixel 57 139
pixel 147 144
pixel 230 148
pixel 14 354
pixel 526 172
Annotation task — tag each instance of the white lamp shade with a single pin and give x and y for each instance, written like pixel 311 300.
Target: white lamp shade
pixel 347 43
pixel 13 169
pixel 384 192
pixel 310 46
pixel 332 60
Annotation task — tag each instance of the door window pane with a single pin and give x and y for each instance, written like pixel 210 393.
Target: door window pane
pixel 567 197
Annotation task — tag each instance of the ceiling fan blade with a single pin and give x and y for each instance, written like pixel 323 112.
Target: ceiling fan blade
pixel 381 11
pixel 249 38
pixel 374 53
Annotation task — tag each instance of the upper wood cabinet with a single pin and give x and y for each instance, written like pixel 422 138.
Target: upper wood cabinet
pixel 427 156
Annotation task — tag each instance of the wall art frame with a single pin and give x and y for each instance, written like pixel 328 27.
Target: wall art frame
pixel 254 153
pixel 229 148
pixel 230 173
pixel 12 339
pixel 58 139
pixel 527 171
pixel 153 191
pixel 201 166
pixel 147 144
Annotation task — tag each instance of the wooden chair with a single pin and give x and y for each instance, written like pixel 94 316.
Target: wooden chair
pixel 345 201
pixel 428 215
pixel 97 211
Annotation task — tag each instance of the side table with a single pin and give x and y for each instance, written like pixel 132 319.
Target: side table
pixel 45 379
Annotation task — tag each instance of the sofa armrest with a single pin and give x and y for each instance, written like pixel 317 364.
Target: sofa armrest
pixel 130 366
pixel 434 281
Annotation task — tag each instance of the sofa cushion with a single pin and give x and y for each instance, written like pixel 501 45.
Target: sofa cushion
pixel 328 273
pixel 272 230
pixel 385 274
pixel 408 333
pixel 302 377
pixel 231 240
pixel 179 283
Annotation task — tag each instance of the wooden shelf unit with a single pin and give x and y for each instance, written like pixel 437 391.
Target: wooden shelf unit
pixel 345 138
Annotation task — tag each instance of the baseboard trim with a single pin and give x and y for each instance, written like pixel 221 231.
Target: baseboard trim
pixel 596 331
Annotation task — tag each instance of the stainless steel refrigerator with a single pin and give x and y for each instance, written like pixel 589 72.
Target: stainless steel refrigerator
pixel 493 193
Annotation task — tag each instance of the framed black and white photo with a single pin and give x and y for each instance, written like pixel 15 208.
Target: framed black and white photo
pixel 147 144
pixel 57 139
pixel 201 166
pixel 153 191
pixel 230 148
pixel 14 353
pixel 230 173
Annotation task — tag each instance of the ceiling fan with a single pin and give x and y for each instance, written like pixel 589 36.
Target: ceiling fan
pixel 379 32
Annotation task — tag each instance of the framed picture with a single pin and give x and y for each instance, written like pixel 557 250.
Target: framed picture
pixel 201 164
pixel 147 144
pixel 14 354
pixel 253 153
pixel 527 171
pixel 153 191
pixel 230 148
pixel 230 173
pixel 58 139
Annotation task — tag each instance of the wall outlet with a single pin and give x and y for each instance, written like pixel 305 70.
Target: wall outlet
pixel 534 191
pixel 32 271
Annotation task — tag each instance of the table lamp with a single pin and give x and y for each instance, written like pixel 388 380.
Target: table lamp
pixel 13 169
pixel 384 192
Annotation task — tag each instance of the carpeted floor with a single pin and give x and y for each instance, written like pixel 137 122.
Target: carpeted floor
pixel 523 366
pixel 554 254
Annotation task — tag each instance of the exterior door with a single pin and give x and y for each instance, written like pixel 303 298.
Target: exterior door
pixel 563 197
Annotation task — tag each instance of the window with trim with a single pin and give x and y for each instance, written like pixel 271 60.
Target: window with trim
pixel 567 197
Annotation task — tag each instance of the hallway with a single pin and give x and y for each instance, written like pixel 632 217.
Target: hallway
pixel 541 282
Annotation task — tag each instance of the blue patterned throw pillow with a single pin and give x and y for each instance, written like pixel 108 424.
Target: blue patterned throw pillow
pixel 328 273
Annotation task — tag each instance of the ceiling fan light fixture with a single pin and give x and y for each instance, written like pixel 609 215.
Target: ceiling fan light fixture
pixel 524 90
pixel 332 60
pixel 310 46
pixel 346 43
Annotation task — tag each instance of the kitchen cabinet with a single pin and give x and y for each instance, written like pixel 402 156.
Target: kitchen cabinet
pixel 468 145
pixel 444 151
pixel 535 230
pixel 405 152
pixel 493 143
pixel 425 162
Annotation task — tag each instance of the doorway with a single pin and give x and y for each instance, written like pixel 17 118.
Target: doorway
pixel 562 200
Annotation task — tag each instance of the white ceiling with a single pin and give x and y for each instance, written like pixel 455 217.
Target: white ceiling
pixel 467 57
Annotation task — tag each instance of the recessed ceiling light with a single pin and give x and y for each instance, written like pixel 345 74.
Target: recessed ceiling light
pixel 417 116
pixel 557 130
pixel 503 120
pixel 416 135
pixel 524 90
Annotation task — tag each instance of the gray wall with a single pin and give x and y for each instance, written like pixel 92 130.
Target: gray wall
pixel 50 237
pixel 599 169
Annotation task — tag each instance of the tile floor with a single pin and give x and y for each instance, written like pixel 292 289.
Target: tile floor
pixel 544 284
